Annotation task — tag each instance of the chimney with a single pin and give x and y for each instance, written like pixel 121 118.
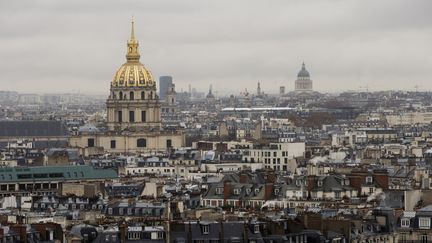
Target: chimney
pixel 123 232
pixel 270 176
pixel 268 191
pixel 22 231
pixel 243 177
pixel 227 189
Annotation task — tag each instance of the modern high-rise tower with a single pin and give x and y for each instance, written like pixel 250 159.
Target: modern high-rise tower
pixel 164 83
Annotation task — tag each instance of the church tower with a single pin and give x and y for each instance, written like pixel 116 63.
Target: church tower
pixel 133 103
pixel 171 97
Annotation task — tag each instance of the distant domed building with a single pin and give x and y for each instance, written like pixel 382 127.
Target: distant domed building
pixel 133 112
pixel 303 82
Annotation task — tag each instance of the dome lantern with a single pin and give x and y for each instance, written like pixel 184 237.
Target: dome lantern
pixel 303 72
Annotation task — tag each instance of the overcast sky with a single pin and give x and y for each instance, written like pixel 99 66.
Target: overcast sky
pixel 77 45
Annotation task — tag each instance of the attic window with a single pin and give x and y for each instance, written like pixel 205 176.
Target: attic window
pixel 405 222
pixel 257 190
pixel 320 183
pixel 256 229
pixel 206 229
pixel 219 190
pixel 369 179
pixel 276 191
pixel 236 191
pixel 248 191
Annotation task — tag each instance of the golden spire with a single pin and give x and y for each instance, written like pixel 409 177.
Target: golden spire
pixel 132 53
pixel 133 29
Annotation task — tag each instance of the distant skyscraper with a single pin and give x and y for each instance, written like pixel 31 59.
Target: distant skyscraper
pixel 303 82
pixel 259 89
pixel 282 90
pixel 164 83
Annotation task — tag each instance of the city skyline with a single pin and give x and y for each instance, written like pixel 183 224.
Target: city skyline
pixel 382 48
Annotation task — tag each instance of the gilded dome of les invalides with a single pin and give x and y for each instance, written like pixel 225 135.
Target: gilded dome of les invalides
pixel 133 73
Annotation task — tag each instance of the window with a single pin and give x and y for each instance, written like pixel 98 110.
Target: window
pixel 143 116
pixel 256 229
pixel 160 235
pixel 120 116
pixel 90 142
pixel 405 222
pixel 168 143
pixel 369 179
pixel 423 238
pixel 131 116
pixel 110 211
pixel 113 143
pixel 142 95
pixel 236 191
pixel 219 190
pixel 424 223
pixel 206 229
pixel 141 143
pixel 121 95
pixel 403 238
pixel 131 95
pixel 320 183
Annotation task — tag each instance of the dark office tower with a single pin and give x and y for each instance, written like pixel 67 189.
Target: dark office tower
pixel 164 83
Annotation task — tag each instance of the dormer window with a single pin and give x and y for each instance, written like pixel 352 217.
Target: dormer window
pixel 405 223
pixel 369 179
pixel 236 191
pixel 219 190
pixel 320 183
pixel 248 191
pixel 347 182
pixel 276 192
pixel 257 190
pixel 424 222
pixel 206 229
pixel 298 183
pixel 256 229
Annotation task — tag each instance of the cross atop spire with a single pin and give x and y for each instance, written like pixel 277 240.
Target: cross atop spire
pixel 132 44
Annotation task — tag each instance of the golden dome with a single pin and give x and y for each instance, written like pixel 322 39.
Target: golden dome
pixel 133 73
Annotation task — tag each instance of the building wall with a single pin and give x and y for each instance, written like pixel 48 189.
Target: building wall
pixel 128 143
pixel 277 158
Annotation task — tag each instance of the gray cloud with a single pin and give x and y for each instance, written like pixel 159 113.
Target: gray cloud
pixel 50 46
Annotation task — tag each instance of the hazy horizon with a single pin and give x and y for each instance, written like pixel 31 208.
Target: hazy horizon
pixel 59 46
